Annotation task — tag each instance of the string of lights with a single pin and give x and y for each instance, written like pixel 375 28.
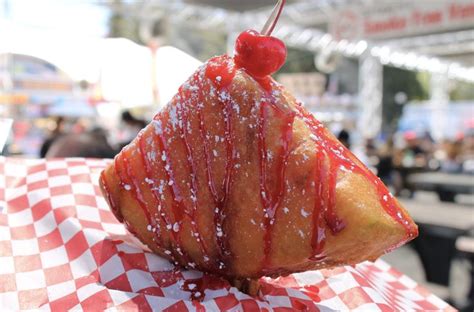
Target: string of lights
pixel 391 53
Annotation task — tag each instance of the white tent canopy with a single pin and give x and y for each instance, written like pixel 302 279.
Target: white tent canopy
pixel 121 68
pixel 76 56
pixel 173 67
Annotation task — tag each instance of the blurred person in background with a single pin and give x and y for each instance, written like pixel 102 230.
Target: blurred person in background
pixel 345 138
pixel 370 148
pixel 427 144
pixel 385 162
pixel 371 157
pixel 413 155
pixel 58 131
pixel 131 127
pixel 467 151
pixel 91 144
pixel 371 152
pixel 408 159
pixel 451 162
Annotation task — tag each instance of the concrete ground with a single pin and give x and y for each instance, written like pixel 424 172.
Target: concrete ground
pixel 406 260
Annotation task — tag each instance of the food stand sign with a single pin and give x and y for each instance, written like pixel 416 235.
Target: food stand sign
pixel 404 18
pixel 31 80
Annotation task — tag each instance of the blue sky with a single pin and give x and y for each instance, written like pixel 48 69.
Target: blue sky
pixel 75 17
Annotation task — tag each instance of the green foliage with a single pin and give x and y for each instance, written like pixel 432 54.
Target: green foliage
pixel 122 25
pixel 397 80
pixel 206 43
pixel 462 91
pixel 424 78
pixel 298 61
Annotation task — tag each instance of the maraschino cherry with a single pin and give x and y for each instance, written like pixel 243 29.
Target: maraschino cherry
pixel 259 53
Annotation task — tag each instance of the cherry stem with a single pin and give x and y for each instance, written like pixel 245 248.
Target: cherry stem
pixel 273 19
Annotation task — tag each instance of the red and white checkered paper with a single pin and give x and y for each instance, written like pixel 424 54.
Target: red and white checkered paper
pixel 61 248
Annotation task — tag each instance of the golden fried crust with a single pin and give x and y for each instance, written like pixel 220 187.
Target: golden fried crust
pixel 369 230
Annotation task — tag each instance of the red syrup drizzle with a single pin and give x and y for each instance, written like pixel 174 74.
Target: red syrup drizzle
pixel 182 112
pixel 220 70
pixel 125 174
pixel 326 176
pixel 325 183
pixel 219 202
pixel 198 286
pixel 343 159
pixel 271 199
pixel 179 209
pixel 199 307
pixel 219 67
pixel 174 237
pixel 260 55
pixel 318 235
